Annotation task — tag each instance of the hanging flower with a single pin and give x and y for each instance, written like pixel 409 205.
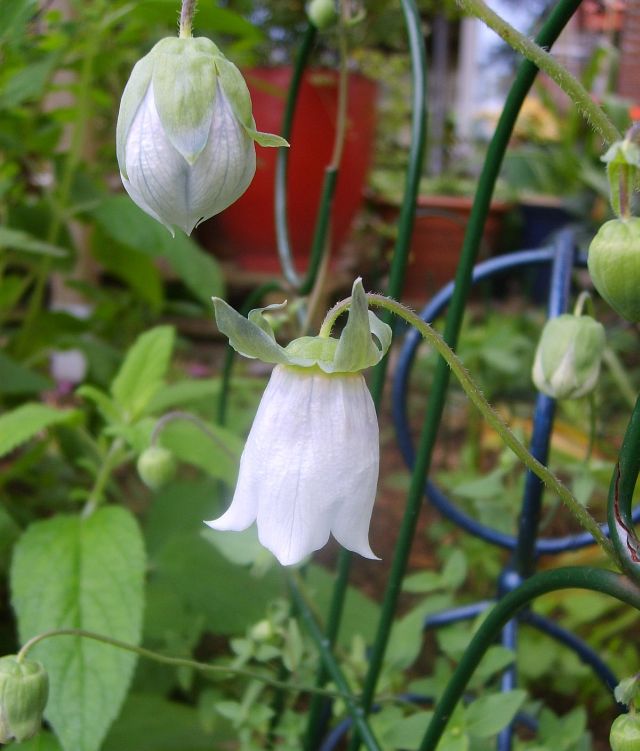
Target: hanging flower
pixel 185 133
pixel 310 465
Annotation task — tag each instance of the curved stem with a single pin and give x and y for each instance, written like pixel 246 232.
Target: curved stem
pixel 546 62
pixel 282 160
pixel 579 577
pixel 490 415
pixel 188 417
pixel 176 661
pixel 623 482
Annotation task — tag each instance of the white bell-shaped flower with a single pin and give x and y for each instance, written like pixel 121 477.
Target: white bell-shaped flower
pixel 185 134
pixel 310 465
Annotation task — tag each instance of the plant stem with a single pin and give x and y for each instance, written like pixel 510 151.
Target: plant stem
pixel 176 661
pixel 111 461
pixel 581 577
pixel 186 18
pixel 491 416
pixel 547 63
pixel 188 417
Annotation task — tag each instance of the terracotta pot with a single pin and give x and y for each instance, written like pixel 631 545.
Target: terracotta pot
pixel 245 232
pixel 437 239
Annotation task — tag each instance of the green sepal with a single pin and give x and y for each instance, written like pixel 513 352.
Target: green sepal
pixel 623 162
pixel 246 336
pixel 132 97
pixel 184 89
pixel 355 350
pixel 237 92
pixel 627 690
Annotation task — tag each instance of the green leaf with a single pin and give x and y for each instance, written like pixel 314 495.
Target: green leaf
pixel 26 83
pixel 136 269
pixel 86 573
pixel 16 239
pixel 104 403
pixel 15 378
pixel 124 222
pixel 151 723
pixel 15 15
pixel 183 393
pixel 143 370
pixel 41 742
pixel 217 453
pixel 490 714
pixel 26 421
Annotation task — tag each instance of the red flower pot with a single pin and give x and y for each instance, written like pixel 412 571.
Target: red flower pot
pixel 245 232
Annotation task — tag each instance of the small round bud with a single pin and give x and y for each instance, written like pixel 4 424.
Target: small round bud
pixel 568 357
pixel 322 13
pixel 24 688
pixel 614 265
pixel 156 467
pixel 625 733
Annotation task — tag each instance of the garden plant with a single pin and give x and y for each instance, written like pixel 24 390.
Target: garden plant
pixel 128 622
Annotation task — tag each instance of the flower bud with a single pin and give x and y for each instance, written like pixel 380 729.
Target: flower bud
pixel 156 467
pixel 322 13
pixel 625 733
pixel 614 265
pixel 568 357
pixel 24 688
pixel 185 134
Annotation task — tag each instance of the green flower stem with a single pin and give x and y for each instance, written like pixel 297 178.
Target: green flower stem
pixel 186 18
pixel 332 667
pixel 112 459
pixel 188 417
pixel 547 63
pixel 285 252
pixel 490 415
pixel 557 20
pixel 623 482
pixel 178 662
pixel 579 577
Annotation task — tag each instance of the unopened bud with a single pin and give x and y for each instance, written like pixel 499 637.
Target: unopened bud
pixel 322 13
pixel 625 733
pixel 24 688
pixel 568 357
pixel 156 467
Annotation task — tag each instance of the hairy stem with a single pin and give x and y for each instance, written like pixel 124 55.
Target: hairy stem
pixel 186 18
pixel 177 661
pixel 491 416
pixel 547 63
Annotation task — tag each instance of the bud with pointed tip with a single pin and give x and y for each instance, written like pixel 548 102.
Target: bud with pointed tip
pixel 185 134
pixel 24 689
pixel 568 357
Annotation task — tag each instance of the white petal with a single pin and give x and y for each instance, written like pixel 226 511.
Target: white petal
pixel 171 190
pixel 357 467
pixel 158 174
pixel 226 166
pixel 310 465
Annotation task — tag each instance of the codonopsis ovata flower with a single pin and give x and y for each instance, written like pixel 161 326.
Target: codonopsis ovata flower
pixel 310 465
pixel 185 133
